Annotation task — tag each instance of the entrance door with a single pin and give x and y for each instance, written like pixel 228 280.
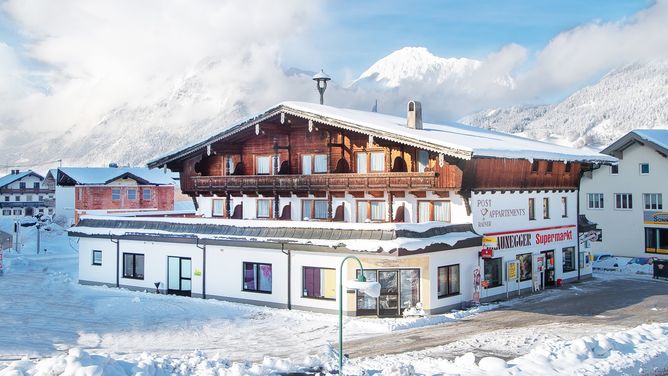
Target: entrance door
pixel 388 301
pixel 179 278
pixel 549 275
pixel 29 212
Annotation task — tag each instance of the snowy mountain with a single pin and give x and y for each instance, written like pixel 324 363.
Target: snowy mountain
pixel 635 96
pixel 415 64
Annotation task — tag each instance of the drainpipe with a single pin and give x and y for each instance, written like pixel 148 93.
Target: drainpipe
pixel 289 273
pixel 203 248
pixel 118 259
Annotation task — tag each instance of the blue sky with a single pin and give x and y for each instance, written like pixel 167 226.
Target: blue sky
pixel 357 33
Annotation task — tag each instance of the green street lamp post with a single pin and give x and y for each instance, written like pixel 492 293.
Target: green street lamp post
pixel 370 288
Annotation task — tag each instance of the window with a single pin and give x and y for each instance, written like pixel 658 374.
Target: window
pixel 370 211
pixel 546 207
pixel 40 198
pixel 361 163
pixel 377 162
pixel 656 240
pixel 133 265
pixel 218 207
pixel 433 211
pixel 644 168
pixel 568 167
pixel 595 200
pixel 493 270
pixel 6 211
pixel 132 194
pixel 569 259
pixel 526 261
pixel 315 209
pixel 17 198
pixel 534 167
pixel 263 165
pixel 623 201
pixel 28 197
pixel 35 185
pixel 115 194
pixel 532 209
pixel 564 207
pixel 614 170
pixel 653 201
pixel 40 211
pixel 22 185
pixel 50 211
pixel 6 198
pixel 306 164
pixel 17 211
pixel 319 283
pixel 423 160
pixel 97 257
pixel 147 194
pixel 263 208
pixel 257 277
pixel 230 165
pixel 448 280
pixel 550 166
pixel 320 163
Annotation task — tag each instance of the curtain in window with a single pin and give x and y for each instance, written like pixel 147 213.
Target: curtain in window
pixel 361 211
pixel 377 162
pixel 423 160
pixel 423 209
pixel 377 210
pixel 320 207
pixel 442 211
pixel 139 266
pixel 361 162
pixel 453 279
pixel 128 265
pixel 249 276
pixel 230 166
pixel 263 165
pixel 306 164
pixel 306 209
pixel 265 277
pixel 320 163
pixel 263 208
pixel 218 207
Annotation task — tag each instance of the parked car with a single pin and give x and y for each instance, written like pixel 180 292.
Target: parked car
pixel 643 260
pixel 602 256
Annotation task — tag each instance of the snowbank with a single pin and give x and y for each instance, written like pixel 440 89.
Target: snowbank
pixel 622 265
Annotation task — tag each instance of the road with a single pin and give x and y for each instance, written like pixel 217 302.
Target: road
pixel 585 308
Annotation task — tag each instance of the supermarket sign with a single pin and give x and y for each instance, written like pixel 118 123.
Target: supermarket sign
pixel 652 217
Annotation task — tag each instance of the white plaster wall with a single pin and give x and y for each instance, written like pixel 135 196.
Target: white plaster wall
pixel 65 202
pixel 467 258
pixel 623 230
pixel 104 273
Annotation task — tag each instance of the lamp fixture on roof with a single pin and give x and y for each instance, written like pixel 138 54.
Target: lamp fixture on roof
pixel 321 83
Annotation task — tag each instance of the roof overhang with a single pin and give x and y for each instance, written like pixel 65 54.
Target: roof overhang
pixel 616 149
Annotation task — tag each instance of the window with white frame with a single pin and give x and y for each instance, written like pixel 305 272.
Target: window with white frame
pixel 594 200
pixel 263 165
pixel 314 209
pixel 115 194
pixel 132 194
pixel 623 201
pixel 377 162
pixel 147 194
pixel 218 207
pixel 263 208
pixel 370 211
pixel 361 161
pixel 644 168
pixel 438 211
pixel 653 201
pixel 320 163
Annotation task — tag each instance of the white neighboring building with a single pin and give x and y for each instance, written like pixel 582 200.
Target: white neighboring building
pixel 626 200
pixel 25 194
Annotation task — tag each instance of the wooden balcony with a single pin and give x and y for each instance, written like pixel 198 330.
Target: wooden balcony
pixel 417 181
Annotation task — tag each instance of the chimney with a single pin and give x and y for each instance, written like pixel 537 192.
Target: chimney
pixel 414 119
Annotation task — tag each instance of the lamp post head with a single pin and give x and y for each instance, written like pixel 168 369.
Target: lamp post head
pixel 321 79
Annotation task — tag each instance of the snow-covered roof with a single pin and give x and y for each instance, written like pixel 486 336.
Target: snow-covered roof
pixel 9 179
pixel 657 138
pixel 105 175
pixel 359 237
pixel 452 139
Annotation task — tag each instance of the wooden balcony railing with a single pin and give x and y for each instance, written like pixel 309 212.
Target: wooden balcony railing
pixel 305 183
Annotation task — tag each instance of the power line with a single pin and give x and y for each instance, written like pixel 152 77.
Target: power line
pixel 60 161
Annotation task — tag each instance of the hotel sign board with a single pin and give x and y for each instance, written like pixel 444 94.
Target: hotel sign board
pixel 653 217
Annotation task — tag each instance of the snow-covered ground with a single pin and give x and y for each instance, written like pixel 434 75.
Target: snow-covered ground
pixel 52 325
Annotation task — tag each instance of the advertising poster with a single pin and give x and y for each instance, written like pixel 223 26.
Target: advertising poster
pixel 476 284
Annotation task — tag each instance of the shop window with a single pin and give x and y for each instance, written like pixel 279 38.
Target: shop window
pixel 263 208
pixel 371 211
pixel 132 194
pixel 409 288
pixel 656 240
pixel 595 200
pixel 365 304
pixel 526 266
pixel 314 209
pixel 564 207
pixel 115 194
pixel 218 207
pixel 147 194
pixel 97 257
pixel 448 280
pixel 644 168
pixel 257 277
pixel 493 272
pixel 438 211
pixel 399 289
pixel 623 201
pixel 546 208
pixel 532 209
pixel 319 283
pixel 568 259
pixel 614 170
pixel 133 265
pixel 653 201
